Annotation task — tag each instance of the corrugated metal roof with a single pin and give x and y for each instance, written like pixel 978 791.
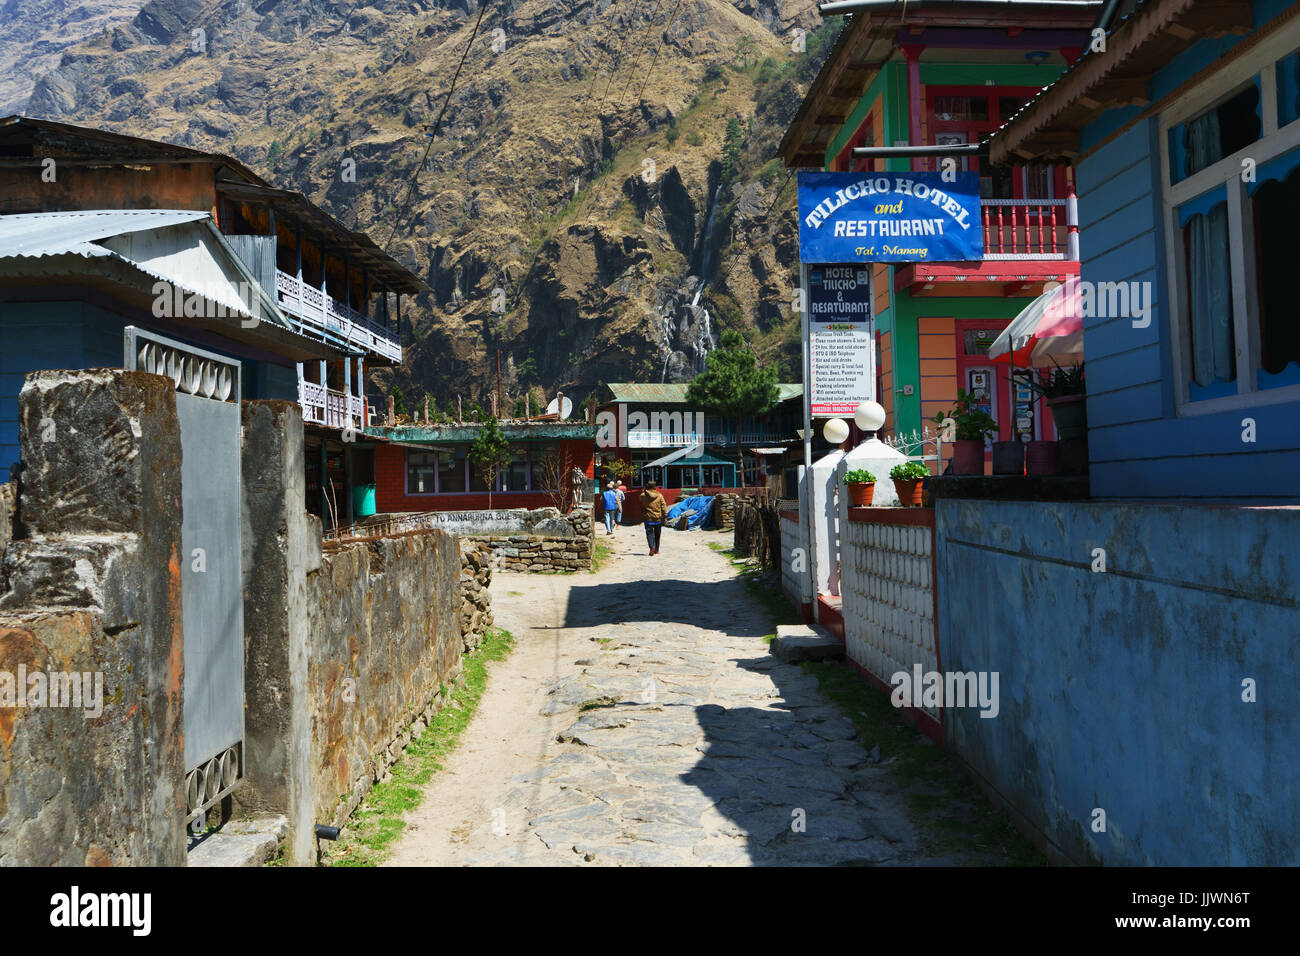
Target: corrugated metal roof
pixel 674 393
pixel 54 233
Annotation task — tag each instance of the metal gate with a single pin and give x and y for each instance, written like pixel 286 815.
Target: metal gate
pixel 212 597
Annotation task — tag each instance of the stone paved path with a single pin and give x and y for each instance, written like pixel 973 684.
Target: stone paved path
pixel 641 720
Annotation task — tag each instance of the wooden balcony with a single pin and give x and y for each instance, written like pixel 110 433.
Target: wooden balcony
pixel 333 409
pixel 1029 230
pixel 1028 243
pixel 325 317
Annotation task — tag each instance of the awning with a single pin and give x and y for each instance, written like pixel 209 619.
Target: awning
pixel 692 451
pixel 768 451
pixel 1044 329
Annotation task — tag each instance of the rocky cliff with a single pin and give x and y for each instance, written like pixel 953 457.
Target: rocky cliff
pixel 601 198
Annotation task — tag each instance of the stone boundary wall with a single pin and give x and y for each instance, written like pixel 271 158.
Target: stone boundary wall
pixel 555 551
pixel 384 656
pixel 475 597
pixel 350 650
pixel 518 539
pixel 93 588
pixel 724 512
pixel 8 509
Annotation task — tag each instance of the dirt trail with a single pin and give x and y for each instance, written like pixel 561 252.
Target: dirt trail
pixel 641 720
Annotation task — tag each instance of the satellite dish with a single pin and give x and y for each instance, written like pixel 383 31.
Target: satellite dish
pixel 565 410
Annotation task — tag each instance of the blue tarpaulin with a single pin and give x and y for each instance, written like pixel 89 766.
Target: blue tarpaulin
pixel 703 505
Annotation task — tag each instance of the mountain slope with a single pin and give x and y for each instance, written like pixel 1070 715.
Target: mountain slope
pixel 34 34
pixel 572 180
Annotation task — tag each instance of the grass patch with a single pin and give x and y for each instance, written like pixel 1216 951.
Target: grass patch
pixel 952 814
pixel 600 553
pixel 378 821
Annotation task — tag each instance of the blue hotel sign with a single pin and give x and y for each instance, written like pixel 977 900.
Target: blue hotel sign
pixel 889 217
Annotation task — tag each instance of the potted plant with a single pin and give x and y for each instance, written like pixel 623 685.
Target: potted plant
pixel 908 479
pixel 971 426
pixel 1065 393
pixel 862 485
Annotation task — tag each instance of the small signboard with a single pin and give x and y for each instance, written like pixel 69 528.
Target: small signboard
pixel 841 346
pixel 890 217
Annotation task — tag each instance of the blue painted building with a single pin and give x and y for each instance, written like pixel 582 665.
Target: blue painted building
pixel 1183 127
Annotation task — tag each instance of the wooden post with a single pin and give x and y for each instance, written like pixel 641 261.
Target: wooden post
pixel 460 412
pixel 426 409
pixel 528 405
pixel 392 415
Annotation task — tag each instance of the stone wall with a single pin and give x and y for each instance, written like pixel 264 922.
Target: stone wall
pixel 94 589
pixel 385 654
pixel 349 652
pixel 724 512
pixel 475 598
pixel 8 504
pixel 549 542
pixel 541 539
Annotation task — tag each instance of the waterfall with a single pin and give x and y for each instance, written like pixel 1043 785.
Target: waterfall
pixel 705 257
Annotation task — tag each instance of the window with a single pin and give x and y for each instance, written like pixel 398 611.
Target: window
pixel 865 136
pixel 960 114
pixel 421 473
pixel 514 476
pixel 1276 205
pixel 1218 132
pixel 1231 166
pixel 451 470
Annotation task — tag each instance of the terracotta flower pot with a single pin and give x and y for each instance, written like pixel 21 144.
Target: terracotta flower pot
pixel 860 494
pixel 967 457
pixel 1070 415
pixel 1041 458
pixel 1008 458
pixel 910 491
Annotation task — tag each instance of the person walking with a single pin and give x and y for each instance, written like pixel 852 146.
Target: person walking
pixel 621 491
pixel 609 500
pixel 654 509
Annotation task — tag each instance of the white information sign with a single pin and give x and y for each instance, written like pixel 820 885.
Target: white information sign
pixel 841 343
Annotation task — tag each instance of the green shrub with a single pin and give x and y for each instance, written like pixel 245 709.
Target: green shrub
pixel 859 476
pixel 909 470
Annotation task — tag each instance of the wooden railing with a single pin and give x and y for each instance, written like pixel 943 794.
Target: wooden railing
pixel 333 409
pixel 1029 229
pixel 326 317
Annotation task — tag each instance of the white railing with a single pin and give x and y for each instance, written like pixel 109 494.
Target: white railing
pixel 330 319
pixel 333 409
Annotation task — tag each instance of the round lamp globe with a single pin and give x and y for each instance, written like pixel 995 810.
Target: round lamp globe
pixel 836 431
pixel 870 416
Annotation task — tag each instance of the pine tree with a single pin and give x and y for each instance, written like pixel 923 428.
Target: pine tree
pixel 733 386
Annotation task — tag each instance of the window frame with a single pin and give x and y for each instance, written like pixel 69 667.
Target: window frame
pixel 1259 66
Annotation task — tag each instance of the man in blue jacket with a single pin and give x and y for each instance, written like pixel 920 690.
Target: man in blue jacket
pixel 609 501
